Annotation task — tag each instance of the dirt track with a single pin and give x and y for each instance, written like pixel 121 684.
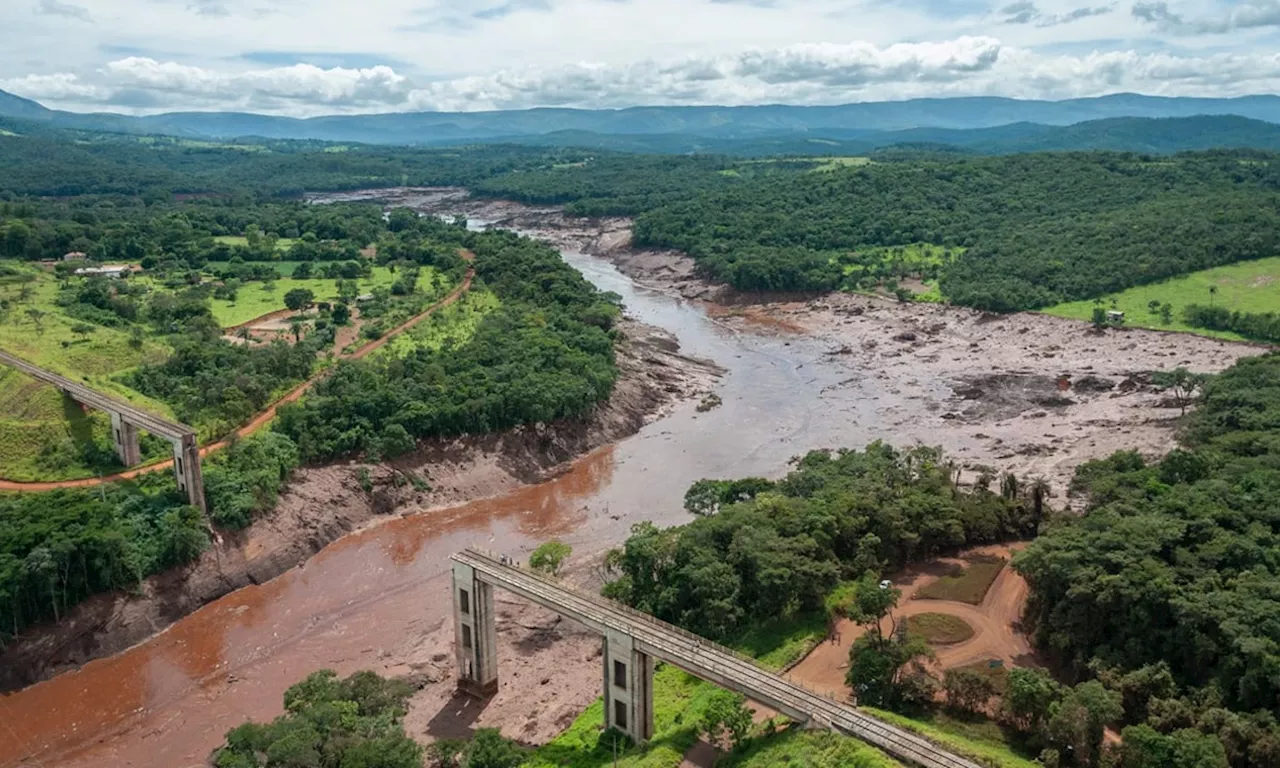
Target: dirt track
pixel 994 622
pixel 265 417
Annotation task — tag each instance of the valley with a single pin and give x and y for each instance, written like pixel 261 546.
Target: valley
pixel 792 375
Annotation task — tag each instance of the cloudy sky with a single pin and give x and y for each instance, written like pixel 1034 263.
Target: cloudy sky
pixel 308 57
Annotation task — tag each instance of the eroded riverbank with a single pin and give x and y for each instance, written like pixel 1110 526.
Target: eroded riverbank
pixel 804 375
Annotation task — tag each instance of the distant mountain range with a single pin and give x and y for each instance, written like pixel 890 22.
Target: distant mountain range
pixel 1022 123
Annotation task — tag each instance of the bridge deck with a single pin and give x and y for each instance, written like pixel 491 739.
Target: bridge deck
pixel 94 399
pixel 710 661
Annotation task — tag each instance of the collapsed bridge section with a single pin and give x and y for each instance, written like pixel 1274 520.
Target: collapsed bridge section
pixel 633 641
pixel 126 420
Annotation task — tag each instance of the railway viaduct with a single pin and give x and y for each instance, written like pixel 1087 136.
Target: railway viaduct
pixel 633 641
pixel 126 420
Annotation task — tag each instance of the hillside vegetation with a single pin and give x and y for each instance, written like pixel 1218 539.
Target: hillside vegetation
pixel 1036 229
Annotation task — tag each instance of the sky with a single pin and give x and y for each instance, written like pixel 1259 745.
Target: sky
pixel 312 57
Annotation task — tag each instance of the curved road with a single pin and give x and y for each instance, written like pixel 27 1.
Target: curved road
pixel 261 420
pixel 994 622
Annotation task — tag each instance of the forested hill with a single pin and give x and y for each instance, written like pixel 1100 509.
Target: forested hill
pixel 1125 134
pixel 834 122
pixel 1010 233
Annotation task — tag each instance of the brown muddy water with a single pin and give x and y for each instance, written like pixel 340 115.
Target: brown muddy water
pixel 168 701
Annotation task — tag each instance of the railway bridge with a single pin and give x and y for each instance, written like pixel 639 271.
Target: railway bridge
pixel 633 641
pixel 126 420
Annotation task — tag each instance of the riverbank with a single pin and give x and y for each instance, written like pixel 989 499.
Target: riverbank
pixel 378 598
pixel 324 503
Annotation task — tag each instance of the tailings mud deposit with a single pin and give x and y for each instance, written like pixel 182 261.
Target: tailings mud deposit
pixel 838 371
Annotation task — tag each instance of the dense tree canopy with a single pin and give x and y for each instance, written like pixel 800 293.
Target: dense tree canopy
pixel 1176 564
pixel 836 516
pixel 1035 229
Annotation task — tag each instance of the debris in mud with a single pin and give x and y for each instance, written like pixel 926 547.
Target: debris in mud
pixel 905 336
pixel 709 402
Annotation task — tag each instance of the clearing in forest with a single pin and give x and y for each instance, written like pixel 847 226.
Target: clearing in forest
pixel 1249 286
pixel 254 301
pixel 966 584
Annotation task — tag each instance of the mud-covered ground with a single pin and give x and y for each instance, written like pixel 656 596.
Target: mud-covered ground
pixel 1026 392
pixel 324 503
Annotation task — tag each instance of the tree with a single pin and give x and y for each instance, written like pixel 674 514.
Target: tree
pixel 726 718
pixel 37 316
pixel 488 749
pixel 1079 719
pixel 136 339
pixel 295 327
pixel 549 556
pixel 1153 306
pixel 1099 318
pixel 1029 696
pixel 1182 383
pixel 395 441
pixel 967 690
pixel 269 285
pixel 303 271
pixel 1166 313
pixel 348 290
pixel 1213 293
pixel 83 330
pixel 341 314
pixel 298 299
pixel 1143 747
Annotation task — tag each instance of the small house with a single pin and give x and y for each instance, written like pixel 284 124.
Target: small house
pixel 113 271
pixel 74 256
pixel 1115 317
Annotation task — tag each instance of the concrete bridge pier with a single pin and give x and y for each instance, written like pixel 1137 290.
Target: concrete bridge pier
pixel 125 436
pixel 628 687
pixel 475 633
pixel 186 469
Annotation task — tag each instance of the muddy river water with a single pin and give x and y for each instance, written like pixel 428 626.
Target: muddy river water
pixel 168 701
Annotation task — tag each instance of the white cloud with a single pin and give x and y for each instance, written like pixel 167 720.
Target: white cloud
pixel 394 55
pixel 1248 15
pixel 803 74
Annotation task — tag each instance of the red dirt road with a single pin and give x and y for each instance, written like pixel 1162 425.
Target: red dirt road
pixel 994 622
pixel 261 420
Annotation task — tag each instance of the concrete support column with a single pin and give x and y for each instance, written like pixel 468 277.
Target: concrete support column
pixel 186 470
pixel 628 688
pixel 125 436
pixel 475 633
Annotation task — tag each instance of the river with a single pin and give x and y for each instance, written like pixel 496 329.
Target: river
pixel 168 701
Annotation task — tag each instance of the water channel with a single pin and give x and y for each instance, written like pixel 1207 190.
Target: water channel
pixel 168 701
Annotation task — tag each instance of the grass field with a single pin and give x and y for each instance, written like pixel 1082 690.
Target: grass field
pixel 835 163
pixel 939 628
pixel 41 436
pixel 965 585
pixel 679 699
pixel 914 257
pixel 982 740
pixel 253 302
pixel 455 324
pixel 283 244
pixel 807 749
pixel 1251 286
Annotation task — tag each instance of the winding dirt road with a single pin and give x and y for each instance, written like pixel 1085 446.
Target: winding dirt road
pixel 994 623
pixel 263 418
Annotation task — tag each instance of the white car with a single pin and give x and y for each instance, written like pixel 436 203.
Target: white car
pixel 886 584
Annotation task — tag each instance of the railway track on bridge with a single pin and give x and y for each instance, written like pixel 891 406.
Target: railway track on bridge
pixel 711 661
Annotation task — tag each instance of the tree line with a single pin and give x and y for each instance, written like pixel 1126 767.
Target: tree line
pixel 1257 326
pixel 1035 229
pixel 1169 585
pixel 760 549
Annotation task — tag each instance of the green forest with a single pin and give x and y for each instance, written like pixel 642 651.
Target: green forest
pixel 538 348
pixel 1029 230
